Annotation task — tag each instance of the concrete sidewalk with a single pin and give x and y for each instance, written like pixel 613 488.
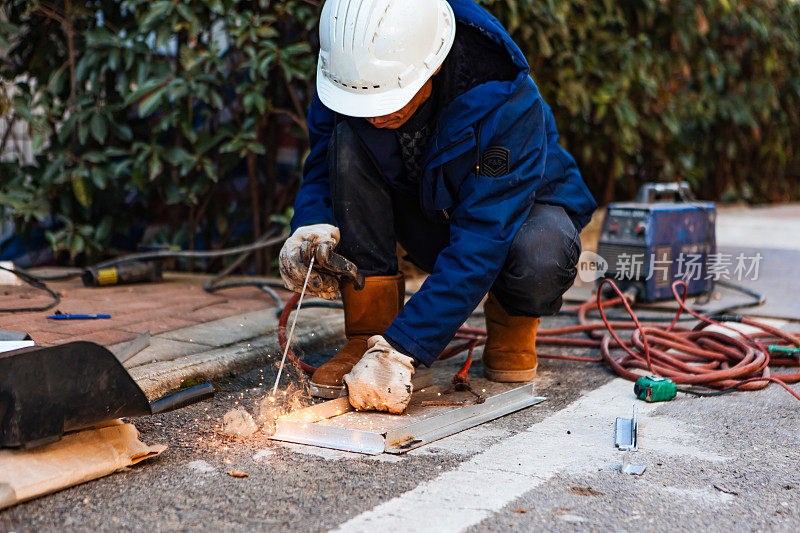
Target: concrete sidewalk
pixel 179 301
pixel 195 335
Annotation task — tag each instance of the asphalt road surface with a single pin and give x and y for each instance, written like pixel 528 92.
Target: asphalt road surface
pixel 722 463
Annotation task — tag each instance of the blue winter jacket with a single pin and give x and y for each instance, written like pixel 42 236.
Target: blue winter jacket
pixel 485 212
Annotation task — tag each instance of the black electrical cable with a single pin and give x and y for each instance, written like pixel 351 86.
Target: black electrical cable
pixel 707 394
pixel 63 276
pixel 212 286
pixel 205 254
pixel 35 283
pixel 265 241
pixel 274 295
pixel 758 299
pixel 325 304
pixel 265 286
pixel 244 251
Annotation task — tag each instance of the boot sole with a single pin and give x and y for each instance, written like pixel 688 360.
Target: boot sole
pixel 423 378
pixel 326 391
pixel 509 376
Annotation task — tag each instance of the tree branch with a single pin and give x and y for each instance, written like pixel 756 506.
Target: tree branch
pixel 297 119
pixel 297 106
pixel 11 119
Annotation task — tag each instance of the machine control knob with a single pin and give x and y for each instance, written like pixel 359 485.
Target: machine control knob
pixel 640 228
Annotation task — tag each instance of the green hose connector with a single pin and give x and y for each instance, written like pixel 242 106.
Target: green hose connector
pixel 655 389
pixel 790 350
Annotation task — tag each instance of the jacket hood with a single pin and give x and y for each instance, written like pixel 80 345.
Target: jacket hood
pixel 469 12
pixel 476 103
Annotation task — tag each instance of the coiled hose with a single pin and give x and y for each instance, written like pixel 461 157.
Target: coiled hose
pixel 688 356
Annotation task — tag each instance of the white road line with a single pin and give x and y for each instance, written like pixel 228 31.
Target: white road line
pixel 505 471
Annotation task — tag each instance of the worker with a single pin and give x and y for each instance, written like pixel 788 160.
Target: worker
pixel 426 129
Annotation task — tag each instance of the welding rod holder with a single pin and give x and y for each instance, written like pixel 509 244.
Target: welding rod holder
pixel 329 262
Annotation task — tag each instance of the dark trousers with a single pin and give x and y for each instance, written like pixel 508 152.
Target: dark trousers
pixel 373 216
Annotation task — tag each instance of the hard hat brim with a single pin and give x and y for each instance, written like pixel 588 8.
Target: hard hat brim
pixel 365 104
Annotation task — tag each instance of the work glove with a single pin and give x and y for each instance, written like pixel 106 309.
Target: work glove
pixel 293 270
pixel 381 380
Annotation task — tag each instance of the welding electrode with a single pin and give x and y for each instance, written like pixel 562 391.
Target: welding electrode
pixel 291 335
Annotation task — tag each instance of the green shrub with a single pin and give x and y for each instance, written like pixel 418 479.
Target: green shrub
pixel 146 110
pixel 654 90
pixel 136 114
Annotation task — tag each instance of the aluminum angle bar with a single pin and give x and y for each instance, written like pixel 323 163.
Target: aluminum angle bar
pixel 626 432
pixel 425 431
pixel 324 436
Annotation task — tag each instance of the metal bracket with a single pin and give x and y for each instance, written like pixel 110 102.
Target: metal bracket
pixel 626 432
pixel 628 468
pixel 304 427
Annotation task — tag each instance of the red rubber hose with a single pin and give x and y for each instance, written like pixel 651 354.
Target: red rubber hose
pixel 686 356
pixel 284 319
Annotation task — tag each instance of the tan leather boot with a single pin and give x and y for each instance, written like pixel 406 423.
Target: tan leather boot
pixel 510 352
pixel 367 312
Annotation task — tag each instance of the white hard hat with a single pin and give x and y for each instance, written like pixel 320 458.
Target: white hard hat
pixel 375 55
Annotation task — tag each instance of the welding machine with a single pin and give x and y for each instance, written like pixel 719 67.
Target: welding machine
pixel 664 236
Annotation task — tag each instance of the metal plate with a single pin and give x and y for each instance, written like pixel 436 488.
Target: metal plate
pixel 349 440
pixel 334 424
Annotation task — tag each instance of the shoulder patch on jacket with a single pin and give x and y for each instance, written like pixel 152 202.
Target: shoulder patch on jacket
pixel 495 162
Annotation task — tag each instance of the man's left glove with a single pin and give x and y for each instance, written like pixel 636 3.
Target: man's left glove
pixel 381 380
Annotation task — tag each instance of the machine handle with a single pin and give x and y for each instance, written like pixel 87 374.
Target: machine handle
pixel 182 398
pixel 679 192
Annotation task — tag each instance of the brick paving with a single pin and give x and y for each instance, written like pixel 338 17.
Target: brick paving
pixel 177 302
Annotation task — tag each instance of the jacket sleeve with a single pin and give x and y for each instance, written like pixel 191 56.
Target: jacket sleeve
pixel 489 212
pixel 313 202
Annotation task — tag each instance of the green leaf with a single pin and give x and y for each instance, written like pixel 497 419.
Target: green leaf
pixel 81 191
pixel 185 12
pixel 155 168
pixel 157 12
pixel 99 128
pixel 57 79
pixel 99 177
pixel 177 156
pixel 113 59
pixel 83 133
pixel 151 102
pixel 103 232
pixel 123 131
pixel 77 245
